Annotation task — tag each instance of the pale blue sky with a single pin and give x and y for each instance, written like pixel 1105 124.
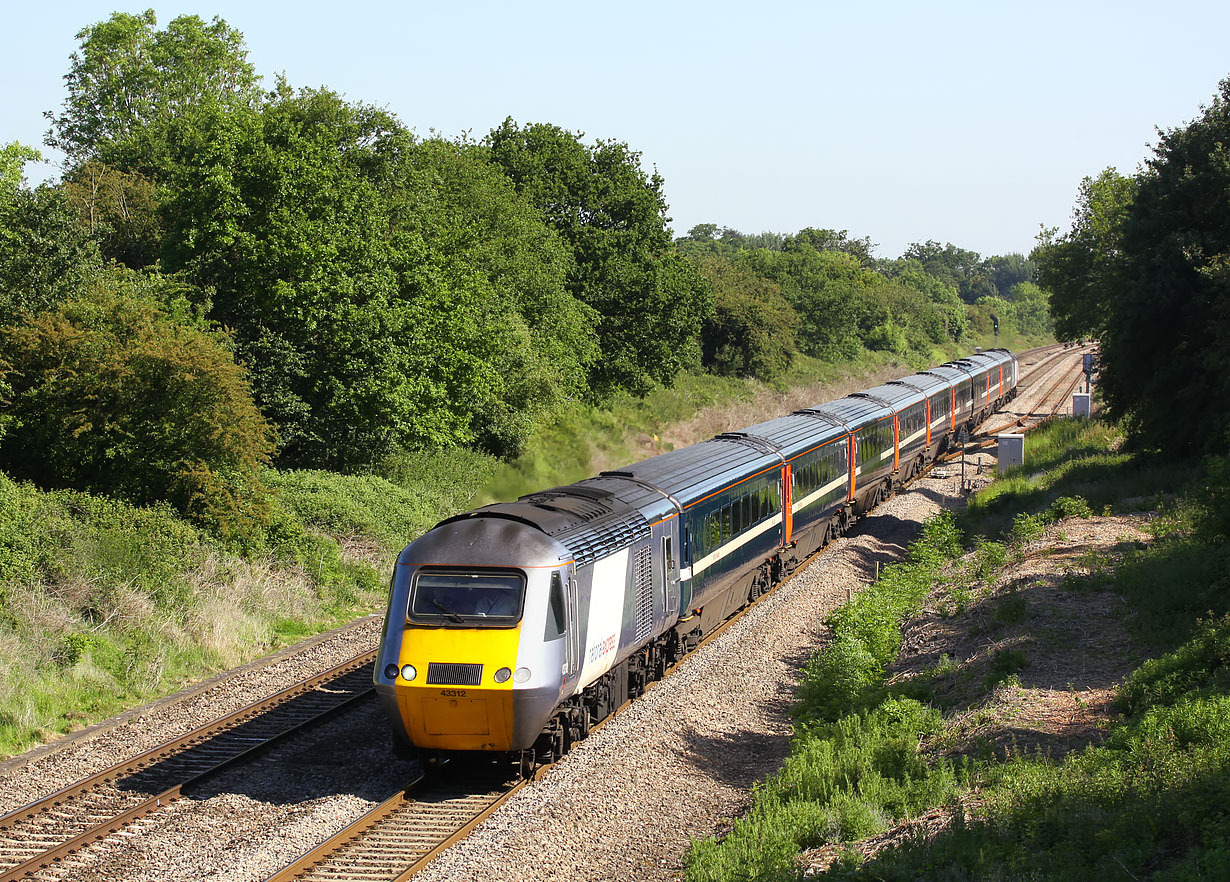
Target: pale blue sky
pixel 967 122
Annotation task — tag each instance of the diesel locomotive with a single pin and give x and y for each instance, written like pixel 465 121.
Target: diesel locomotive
pixel 516 626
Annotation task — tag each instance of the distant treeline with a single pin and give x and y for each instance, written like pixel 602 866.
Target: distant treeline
pixel 228 276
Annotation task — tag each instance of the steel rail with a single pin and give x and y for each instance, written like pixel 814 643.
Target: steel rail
pixel 26 853
pixel 987 435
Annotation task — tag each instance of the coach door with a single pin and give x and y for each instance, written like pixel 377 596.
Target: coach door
pixel 670 576
pixel 572 660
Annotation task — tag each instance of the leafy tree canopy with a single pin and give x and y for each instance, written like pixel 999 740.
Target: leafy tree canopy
pixel 119 211
pixel 45 254
pixel 1166 345
pixel 752 330
pixel 962 269
pixel 1083 269
pixel 128 80
pixel 1009 270
pixel 944 296
pixel 650 302
pixel 831 240
pixel 13 159
pixel 354 339
pixel 117 392
pixel 452 196
pixel 824 287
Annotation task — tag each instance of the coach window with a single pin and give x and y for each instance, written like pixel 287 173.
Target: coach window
pixel 713 531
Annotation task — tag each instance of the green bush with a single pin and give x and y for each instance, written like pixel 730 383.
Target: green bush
pixel 752 330
pixel 117 394
pixel 1027 527
pixel 1069 507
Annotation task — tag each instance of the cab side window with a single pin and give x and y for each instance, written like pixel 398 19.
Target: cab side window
pixel 555 610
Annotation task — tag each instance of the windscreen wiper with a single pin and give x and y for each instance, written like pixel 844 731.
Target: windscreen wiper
pixel 448 612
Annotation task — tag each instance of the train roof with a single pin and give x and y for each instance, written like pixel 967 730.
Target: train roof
pixel 588 522
pixel 797 433
pixel 852 411
pixel 897 394
pixel 692 473
pixel 950 372
pixel 928 382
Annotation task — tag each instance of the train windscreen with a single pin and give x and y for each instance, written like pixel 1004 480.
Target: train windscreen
pixel 467 598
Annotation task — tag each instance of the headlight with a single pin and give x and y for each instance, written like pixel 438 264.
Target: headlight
pixel 390 672
pixel 408 672
pixel 522 675
pixel 502 675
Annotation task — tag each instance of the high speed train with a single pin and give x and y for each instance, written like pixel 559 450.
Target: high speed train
pixel 516 626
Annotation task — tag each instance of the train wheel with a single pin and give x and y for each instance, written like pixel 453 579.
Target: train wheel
pixel 526 763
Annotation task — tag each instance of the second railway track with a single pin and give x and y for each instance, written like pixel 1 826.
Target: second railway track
pixel 45 832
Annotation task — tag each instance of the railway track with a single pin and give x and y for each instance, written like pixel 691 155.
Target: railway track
pixel 1066 381
pixel 45 832
pixel 397 838
pixel 390 842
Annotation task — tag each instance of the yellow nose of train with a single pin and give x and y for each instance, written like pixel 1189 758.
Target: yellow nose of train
pixel 455 688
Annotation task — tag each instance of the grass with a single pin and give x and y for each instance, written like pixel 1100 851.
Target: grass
pixel 104 605
pixel 1151 802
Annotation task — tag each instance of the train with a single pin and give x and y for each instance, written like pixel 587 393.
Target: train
pixel 515 627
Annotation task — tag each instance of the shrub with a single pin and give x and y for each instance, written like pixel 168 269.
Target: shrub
pixel 118 394
pixel 1070 507
pixel 751 332
pixel 1027 527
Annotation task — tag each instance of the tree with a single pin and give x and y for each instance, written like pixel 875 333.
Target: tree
pixel 1006 271
pixel 962 269
pixel 45 254
pixel 544 339
pixel 826 289
pixel 1032 308
pixel 650 302
pixel 944 296
pixel 752 331
pixel 117 393
pixel 129 80
pixel 383 292
pixel 13 159
pixel 119 210
pixel 1083 269
pixel 1166 346
pixel 831 240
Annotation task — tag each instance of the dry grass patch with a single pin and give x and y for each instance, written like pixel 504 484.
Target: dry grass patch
pixel 1028 661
